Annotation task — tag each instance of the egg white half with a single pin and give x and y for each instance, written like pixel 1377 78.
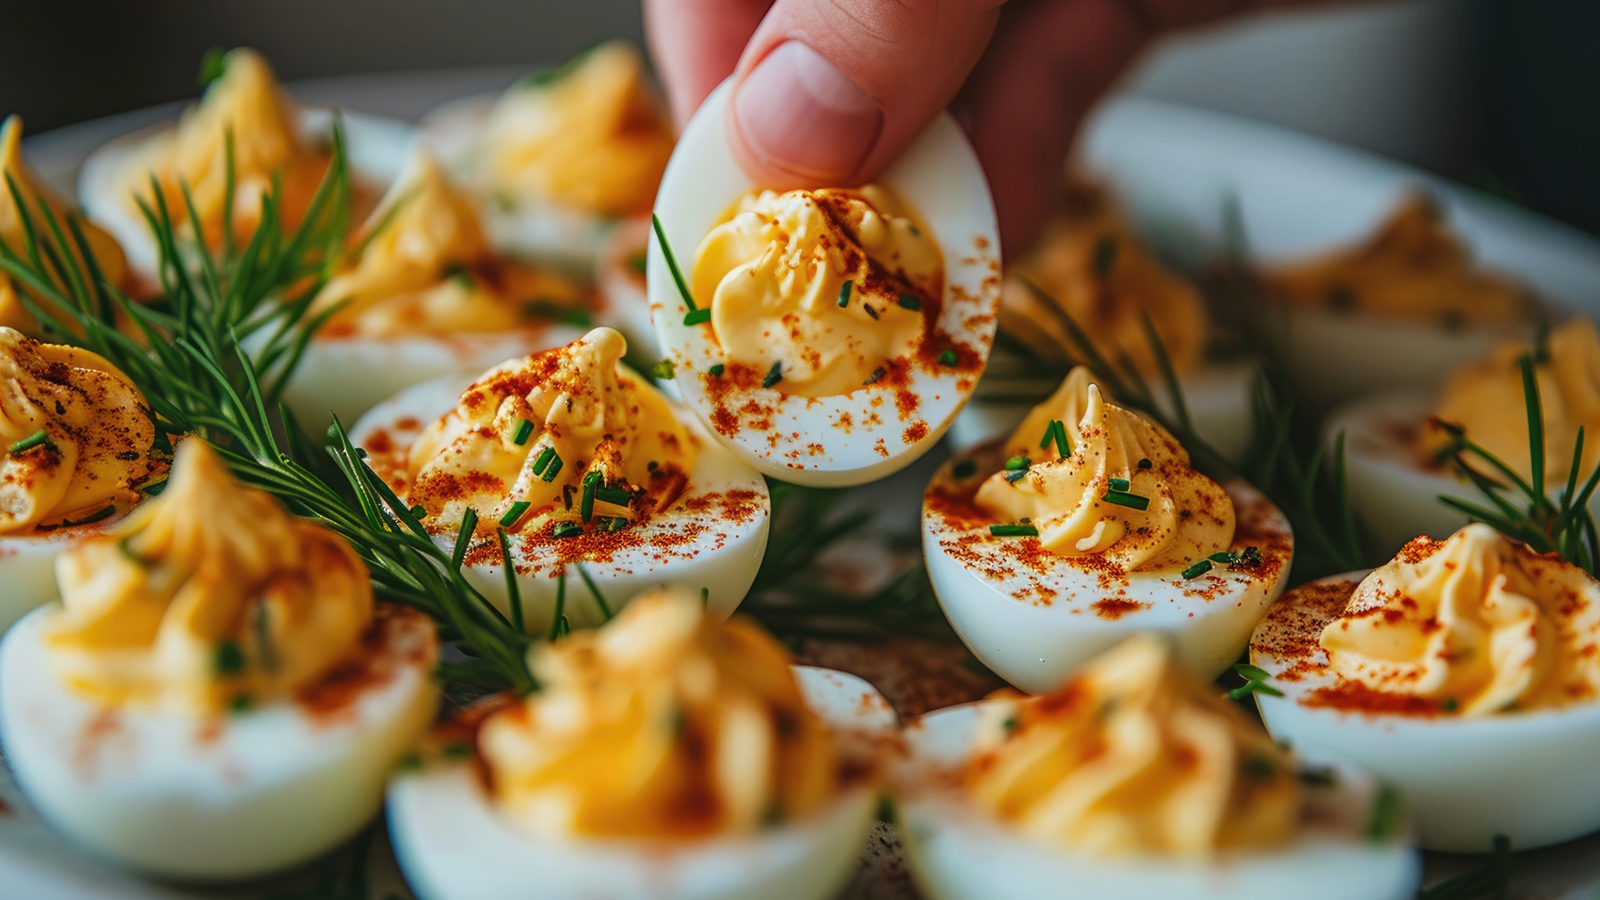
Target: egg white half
pixel 1034 618
pixel 226 798
pixel 453 844
pixel 864 435
pixel 714 538
pixel 1527 775
pixel 28 567
pixel 958 852
pixel 376 148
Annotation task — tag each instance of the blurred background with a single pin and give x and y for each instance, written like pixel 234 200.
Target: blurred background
pixel 1500 94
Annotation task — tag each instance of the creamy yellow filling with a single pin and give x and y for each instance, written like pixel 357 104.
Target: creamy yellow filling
pixel 819 288
pixel 421 265
pixel 78 432
pixel 537 436
pixel 1187 516
pixel 1413 267
pixel 209 596
pixel 1486 400
pixel 664 724
pixel 594 136
pixel 1476 623
pixel 107 253
pixel 1135 756
pixel 1089 264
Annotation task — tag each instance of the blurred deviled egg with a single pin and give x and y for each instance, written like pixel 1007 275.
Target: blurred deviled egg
pixel 272 138
pixel 77 436
pixel 826 337
pixel 622 297
pixel 1136 779
pixel 217 695
pixel 603 487
pixel 1093 272
pixel 1399 309
pixel 421 294
pixel 1398 445
pixel 1464 672
pixel 1089 524
pixel 666 755
pixel 562 155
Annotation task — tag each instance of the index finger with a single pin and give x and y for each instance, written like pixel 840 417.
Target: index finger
pixel 696 44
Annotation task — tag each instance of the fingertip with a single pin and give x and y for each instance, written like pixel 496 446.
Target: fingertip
pixel 795 120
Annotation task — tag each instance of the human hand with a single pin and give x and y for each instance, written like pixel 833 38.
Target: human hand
pixel 831 91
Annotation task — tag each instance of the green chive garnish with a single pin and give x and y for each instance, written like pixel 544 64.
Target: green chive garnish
pixel 672 263
pixel 1131 501
pixel 230 658
pixel 513 513
pixel 1013 531
pixel 524 431
pixel 663 370
pixel 1120 484
pixel 965 468
pixel 1017 462
pixel 844 293
pixel 948 358
pixel 1056 433
pixel 717 369
pixel 774 375
pixel 240 704
pixel 418 511
pixel 566 530
pixel 556 312
pixel 213 65
pixel 37 439
pixel 1015 475
pixel 697 317
pixel 909 301
pixel 542 461
pixel 554 470
pixel 613 495
pixel 1450 704
pixel 1105 255
pixel 637 262
pixel 586 505
pixel 1196 570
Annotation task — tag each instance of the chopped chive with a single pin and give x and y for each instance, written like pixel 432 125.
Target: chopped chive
pixel 418 511
pixel 1196 570
pixel 614 523
pixel 566 530
pixel 213 65
pixel 614 495
pixel 697 317
pixel 1254 687
pixel 457 750
pixel 1450 704
pixel 513 590
pixel 131 554
pixel 876 376
pixel 870 310
pixel 1131 501
pixel 1225 556
pixel 1384 820
pixel 38 438
pixel 1016 475
pixel 554 470
pixel 948 357
pixel 558 620
pixel 1321 778
pixel 229 659
pixel 663 370
pixel 965 468
pixel 553 311
pixel 524 431
pixel 1120 484
pixel 637 262
pixel 542 461
pixel 240 704
pixel 910 301
pixel 1145 464
pixel 717 369
pixel 562 628
pixel 586 505
pixel 672 264
pixel 1105 255
pixel 1250 557
pixel 594 591
pixel 1251 672
pixel 1013 531
pixel 844 293
pixel 1018 462
pixel 513 513
pixel 460 276
pixel 774 375
pixel 705 596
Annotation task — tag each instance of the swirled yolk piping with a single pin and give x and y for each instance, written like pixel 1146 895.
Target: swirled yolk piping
pixel 1487 402
pixel 421 265
pixel 819 288
pixel 107 252
pixel 78 432
pixel 1135 756
pixel 592 136
pixel 1476 623
pixel 663 724
pixel 1071 499
pixel 246 103
pixel 542 439
pixel 208 597
pixel 1089 264
pixel 1413 267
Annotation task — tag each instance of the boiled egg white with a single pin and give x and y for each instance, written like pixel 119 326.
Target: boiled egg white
pixel 454 845
pixel 960 852
pixel 875 429
pixel 221 798
pixel 28 566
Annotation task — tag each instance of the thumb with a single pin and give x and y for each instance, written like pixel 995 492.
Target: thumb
pixel 830 91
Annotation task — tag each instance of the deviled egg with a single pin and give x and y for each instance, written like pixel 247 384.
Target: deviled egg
pixel 1093 271
pixel 826 337
pixel 602 486
pixel 272 140
pixel 1136 779
pixel 563 155
pixel 1089 524
pixel 1398 444
pixel 78 441
pixel 1399 309
pixel 421 295
pixel 217 695
pixel 666 755
pixel 1464 672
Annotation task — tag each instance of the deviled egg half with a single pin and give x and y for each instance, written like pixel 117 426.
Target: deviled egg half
pixel 78 441
pixel 1398 445
pixel 272 139
pixel 562 156
pixel 1095 273
pixel 1464 672
pixel 1136 779
pixel 217 695
pixel 421 294
pixel 602 486
pixel 1089 524
pixel 826 337
pixel 1399 309
pixel 666 755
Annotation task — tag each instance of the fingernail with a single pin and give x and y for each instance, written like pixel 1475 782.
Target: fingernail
pixel 797 112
